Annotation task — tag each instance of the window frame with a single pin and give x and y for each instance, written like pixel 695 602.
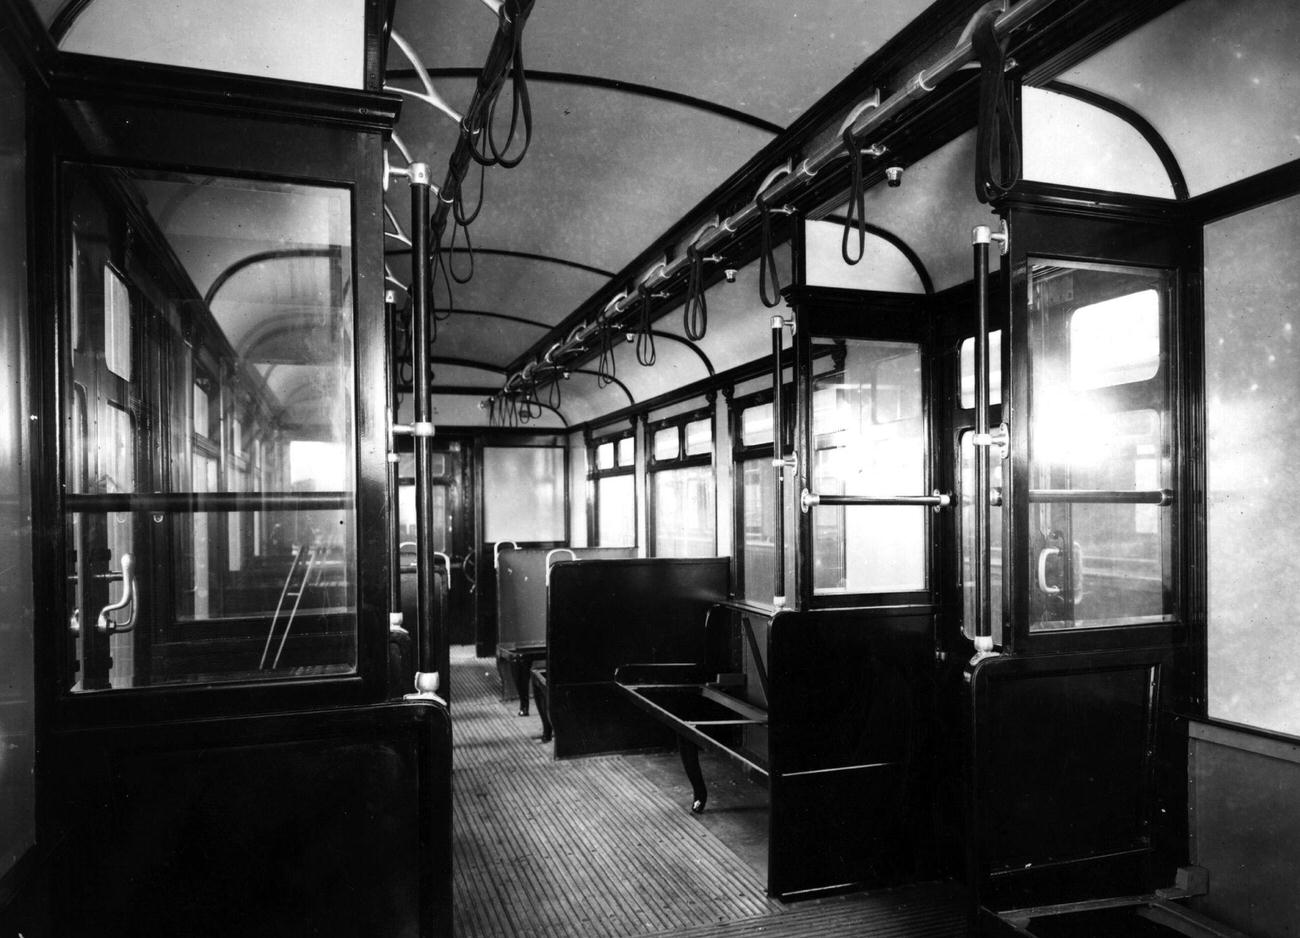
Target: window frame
pixel 680 461
pixel 594 474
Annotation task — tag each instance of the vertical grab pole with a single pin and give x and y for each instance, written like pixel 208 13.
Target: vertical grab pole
pixel 778 463
pixel 980 238
pixel 428 630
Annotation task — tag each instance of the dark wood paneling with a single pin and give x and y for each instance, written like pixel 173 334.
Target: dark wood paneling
pixel 328 822
pixel 851 717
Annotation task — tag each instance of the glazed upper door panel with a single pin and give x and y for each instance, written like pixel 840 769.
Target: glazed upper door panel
pixel 209 480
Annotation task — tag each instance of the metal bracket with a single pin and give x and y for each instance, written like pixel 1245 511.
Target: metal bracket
pixel 999 436
pixel 807 500
pixel 786 462
pixel 780 322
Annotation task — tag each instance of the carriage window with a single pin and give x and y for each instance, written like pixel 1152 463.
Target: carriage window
pixel 868 439
pixel 212 440
pixel 614 491
pixel 683 516
pixel 1100 544
pixel 756 425
pixel 667 443
pixel 699 438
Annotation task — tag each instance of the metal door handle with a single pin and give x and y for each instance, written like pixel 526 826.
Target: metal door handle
pixel 129 591
pixel 1043 556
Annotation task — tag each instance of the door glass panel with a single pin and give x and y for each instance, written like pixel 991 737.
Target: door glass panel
pixel 1100 529
pixel 758 546
pixel 868 439
pixel 968 558
pixel 968 370
pixel 524 493
pixel 211 433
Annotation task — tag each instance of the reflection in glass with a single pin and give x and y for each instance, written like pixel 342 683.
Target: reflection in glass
pixel 1100 538
pixel 684 518
pixel 211 432
pixel 868 439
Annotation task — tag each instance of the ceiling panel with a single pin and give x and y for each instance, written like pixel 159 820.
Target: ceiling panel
pixel 606 171
pixel 516 286
pixel 769 58
pixel 1218 81
pixel 483 339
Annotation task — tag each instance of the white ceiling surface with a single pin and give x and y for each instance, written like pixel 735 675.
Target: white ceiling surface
pixel 1218 79
pixel 882 265
pixel 605 173
pixel 768 58
pixel 321 42
pixel 934 210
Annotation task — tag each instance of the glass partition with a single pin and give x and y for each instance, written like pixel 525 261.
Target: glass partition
pixel 1100 448
pixel 524 493
pixel 868 438
pixel 1252 421
pixel 209 441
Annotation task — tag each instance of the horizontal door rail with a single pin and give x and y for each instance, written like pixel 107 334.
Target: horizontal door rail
pixel 936 500
pixel 1164 497
pixel 195 502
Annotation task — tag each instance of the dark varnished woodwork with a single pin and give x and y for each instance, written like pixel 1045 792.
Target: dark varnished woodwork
pixel 607 613
pixel 1054 823
pixel 318 822
pixel 851 718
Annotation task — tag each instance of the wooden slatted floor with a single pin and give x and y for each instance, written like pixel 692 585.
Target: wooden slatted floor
pixel 592 848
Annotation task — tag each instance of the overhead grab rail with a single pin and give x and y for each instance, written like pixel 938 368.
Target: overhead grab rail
pixel 781 188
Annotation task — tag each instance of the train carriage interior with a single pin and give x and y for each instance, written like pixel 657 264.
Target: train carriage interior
pixel 509 468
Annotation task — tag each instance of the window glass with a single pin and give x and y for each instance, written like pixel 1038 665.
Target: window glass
pixel 667 443
pixel 1100 541
pixel 605 456
pixel 758 544
pixel 1097 358
pixel 699 438
pixel 626 453
pixel 523 493
pixel 197 465
pixel 756 425
pixel 616 511
pixel 1252 422
pixel 869 439
pixel 968 370
pixel 685 522
pixel 968 558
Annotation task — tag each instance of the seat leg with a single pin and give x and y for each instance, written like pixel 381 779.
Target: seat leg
pixel 539 694
pixel 522 671
pixel 691 762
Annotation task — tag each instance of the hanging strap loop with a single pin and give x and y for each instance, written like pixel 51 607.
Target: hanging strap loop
pixel 997 146
pixel 766 257
pixel 645 339
pixel 855 217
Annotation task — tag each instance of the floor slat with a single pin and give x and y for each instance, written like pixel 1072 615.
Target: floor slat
pixel 592 848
